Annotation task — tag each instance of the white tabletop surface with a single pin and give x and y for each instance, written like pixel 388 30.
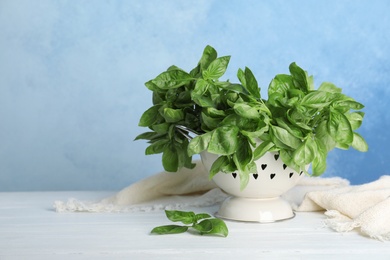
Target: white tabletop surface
pixel 31 229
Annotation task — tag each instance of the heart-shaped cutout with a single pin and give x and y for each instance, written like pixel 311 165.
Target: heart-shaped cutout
pixel 263 166
pixel 284 166
pixel 272 175
pixel 255 175
pixel 276 156
pixel 291 174
pixel 234 175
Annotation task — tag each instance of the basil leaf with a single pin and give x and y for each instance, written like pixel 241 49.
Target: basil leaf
pixel 170 159
pixel 201 87
pixel 241 77
pixel 181 216
pixel 317 99
pixel 146 136
pixel 244 175
pixel 319 160
pixel 199 143
pixel 359 143
pixel 287 158
pixel 202 101
pixel 300 78
pixel 355 119
pixel 244 153
pixel 216 68
pixel 209 55
pixel 251 83
pixel 282 136
pixel 212 227
pixel 280 84
pixel 173 115
pixel 150 116
pixel 172 79
pixel 262 149
pixel 224 140
pixel 218 165
pixel 246 111
pixel 340 129
pixel 161 128
pixel 305 153
pixel 156 147
pixel 210 122
pixel 329 87
pixel 202 216
pixel 350 104
pixel 169 229
pixel 323 135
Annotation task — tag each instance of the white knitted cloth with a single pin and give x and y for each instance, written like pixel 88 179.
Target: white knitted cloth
pixel 364 207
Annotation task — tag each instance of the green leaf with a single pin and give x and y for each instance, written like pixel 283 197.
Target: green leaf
pixel 216 68
pixel 232 87
pixel 213 112
pixel 247 111
pixel 287 158
pixel 300 78
pixel 169 229
pixel 170 159
pixel 251 83
pixel 156 147
pixel 359 143
pixel 209 55
pixel 202 216
pixel 282 136
pixel 151 86
pixel 305 153
pixel 199 143
pixel 329 87
pixel 161 128
pixel 224 140
pixel 340 129
pixel 202 101
pixel 241 77
pixel 201 87
pixel 317 99
pixel 262 149
pixel 323 134
pixel 244 177
pixel 351 104
pixel 355 119
pixel 210 122
pixel 150 116
pixel 146 136
pixel 207 225
pixel 184 160
pixel 319 160
pixel 244 153
pixel 172 79
pixel 295 131
pixel 218 165
pixel 181 216
pixel 280 84
pixel 213 226
pixel 173 115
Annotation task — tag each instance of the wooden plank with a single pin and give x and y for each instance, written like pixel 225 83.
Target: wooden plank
pixel 31 229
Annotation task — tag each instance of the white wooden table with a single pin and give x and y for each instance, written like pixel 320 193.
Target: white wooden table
pixel 31 229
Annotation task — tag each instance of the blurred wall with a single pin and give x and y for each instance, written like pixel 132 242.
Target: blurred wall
pixel 72 75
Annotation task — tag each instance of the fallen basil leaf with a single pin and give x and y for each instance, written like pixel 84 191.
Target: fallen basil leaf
pixel 169 229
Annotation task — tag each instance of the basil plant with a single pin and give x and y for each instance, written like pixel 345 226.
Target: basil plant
pixel 300 123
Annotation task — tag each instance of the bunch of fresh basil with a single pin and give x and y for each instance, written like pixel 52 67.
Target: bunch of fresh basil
pixel 233 120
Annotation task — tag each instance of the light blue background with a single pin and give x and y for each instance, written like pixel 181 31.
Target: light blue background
pixel 72 75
